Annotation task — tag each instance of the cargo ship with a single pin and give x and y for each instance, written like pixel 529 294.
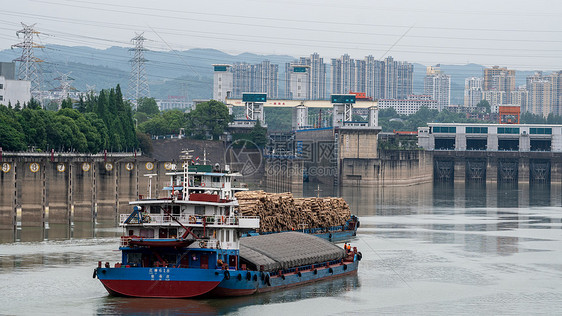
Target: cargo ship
pixel 190 244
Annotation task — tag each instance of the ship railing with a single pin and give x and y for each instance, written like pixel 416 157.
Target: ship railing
pixel 217 244
pixel 198 220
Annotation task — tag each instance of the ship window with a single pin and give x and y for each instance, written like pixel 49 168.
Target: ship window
pixel 199 210
pixel 134 259
pixel 215 179
pixel 173 232
pixel 176 210
pixel 197 180
pixel 154 209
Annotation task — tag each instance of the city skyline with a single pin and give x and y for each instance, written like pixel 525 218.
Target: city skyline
pixel 514 35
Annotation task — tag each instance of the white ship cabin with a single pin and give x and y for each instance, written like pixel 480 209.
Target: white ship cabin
pixel 200 205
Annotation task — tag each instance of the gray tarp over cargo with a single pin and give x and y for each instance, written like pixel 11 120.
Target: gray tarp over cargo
pixel 287 250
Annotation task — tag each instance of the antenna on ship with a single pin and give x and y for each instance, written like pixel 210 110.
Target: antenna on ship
pixel 204 156
pixel 186 156
pixel 318 191
pixel 150 175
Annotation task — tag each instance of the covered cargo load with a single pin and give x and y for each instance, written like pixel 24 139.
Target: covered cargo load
pixel 286 250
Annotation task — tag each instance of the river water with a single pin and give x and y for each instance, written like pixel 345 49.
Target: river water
pixel 427 250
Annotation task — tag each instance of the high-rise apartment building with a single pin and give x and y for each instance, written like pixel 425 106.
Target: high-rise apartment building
pixel 519 97
pixel 261 77
pixel 540 95
pixel 374 78
pixel 242 79
pixel 405 79
pixel 495 98
pixel 473 91
pixel 500 79
pixel 344 75
pixel 438 85
pixel 264 77
pixel 317 77
pixel 386 79
pixel 556 91
pixel 316 72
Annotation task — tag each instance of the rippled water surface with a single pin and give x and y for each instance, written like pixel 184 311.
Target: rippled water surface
pixel 427 250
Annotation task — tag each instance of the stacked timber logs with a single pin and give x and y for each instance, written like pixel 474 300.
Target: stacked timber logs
pixel 281 211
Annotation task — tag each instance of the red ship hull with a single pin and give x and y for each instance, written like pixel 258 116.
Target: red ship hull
pixel 167 289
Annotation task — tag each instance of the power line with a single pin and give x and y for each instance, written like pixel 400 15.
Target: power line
pixel 308 21
pixel 286 27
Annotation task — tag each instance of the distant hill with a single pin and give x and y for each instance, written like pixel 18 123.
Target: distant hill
pixel 178 72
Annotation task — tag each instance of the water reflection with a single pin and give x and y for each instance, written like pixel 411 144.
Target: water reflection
pixel 539 194
pixel 475 194
pixel 79 230
pixel 508 195
pixel 138 306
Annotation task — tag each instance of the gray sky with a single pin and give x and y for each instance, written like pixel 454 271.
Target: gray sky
pixel 525 35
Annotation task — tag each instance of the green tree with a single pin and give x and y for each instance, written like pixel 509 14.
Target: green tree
pixel 485 105
pixel 33 104
pixel 148 106
pixel 81 104
pixel 66 103
pixel 208 119
pixel 34 124
pixel 530 118
pixel 258 134
pixel 11 133
pixel 145 143
pixel 277 119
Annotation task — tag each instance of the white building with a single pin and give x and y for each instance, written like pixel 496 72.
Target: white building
pixel 14 91
pixel 473 91
pixel 495 98
pixel 409 105
pixel 223 82
pixel 174 102
pixel 491 137
pixel 438 85
pixel 298 79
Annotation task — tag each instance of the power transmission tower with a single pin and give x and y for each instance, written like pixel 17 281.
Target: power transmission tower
pixel 28 69
pixel 65 86
pixel 138 84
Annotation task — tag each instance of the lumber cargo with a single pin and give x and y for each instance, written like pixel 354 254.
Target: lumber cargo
pixel 283 212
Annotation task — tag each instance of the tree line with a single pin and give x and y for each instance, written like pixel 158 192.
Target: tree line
pixel 93 124
pixel 208 120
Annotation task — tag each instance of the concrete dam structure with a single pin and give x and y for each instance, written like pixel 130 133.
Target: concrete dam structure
pixel 38 189
pixel 516 153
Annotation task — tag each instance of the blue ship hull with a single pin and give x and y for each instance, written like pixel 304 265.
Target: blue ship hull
pixel 252 282
pixel 165 282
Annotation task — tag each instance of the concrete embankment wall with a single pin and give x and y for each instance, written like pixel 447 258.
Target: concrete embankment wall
pixel 391 168
pixel 39 189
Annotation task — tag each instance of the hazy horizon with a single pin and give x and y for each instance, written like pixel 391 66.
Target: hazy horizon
pixel 504 33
